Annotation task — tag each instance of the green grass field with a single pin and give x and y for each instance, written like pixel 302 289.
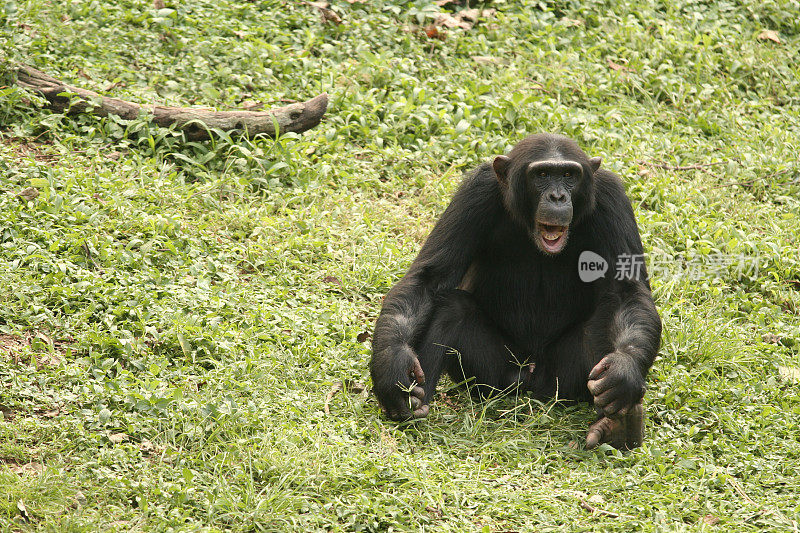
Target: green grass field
pixel 175 316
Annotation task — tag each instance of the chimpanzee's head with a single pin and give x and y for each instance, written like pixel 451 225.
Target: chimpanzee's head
pixel 548 187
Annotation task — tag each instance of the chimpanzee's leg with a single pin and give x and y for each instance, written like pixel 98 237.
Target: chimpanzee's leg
pixel 565 370
pixel 623 432
pixel 463 343
pixel 562 370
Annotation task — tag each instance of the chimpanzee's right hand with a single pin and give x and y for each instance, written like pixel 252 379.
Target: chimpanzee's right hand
pixel 398 386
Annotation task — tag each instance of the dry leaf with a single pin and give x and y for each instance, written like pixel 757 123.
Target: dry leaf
pixel 487 60
pixel 449 21
pixel 789 373
pixel 434 511
pixel 28 194
pixel 464 19
pixel 770 338
pixel 28 469
pixel 148 448
pixel 474 14
pixel 363 336
pixel 770 35
pixel 355 387
pixel 433 32
pixel 11 344
pixel 158 4
pixel 44 338
pixel 616 66
pixel 469 14
pixel 710 520
pixel 80 498
pixel 327 14
pixel 117 438
pixel 569 23
pixel 23 510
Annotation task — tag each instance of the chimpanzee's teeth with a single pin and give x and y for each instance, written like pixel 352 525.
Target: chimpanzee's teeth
pixel 553 233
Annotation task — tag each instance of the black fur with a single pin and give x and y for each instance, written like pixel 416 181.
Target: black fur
pixel 483 301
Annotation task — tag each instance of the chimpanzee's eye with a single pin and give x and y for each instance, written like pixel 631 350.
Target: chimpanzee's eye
pixel 567 174
pixel 542 174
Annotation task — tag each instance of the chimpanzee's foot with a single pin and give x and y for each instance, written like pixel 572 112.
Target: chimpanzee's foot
pixel 623 432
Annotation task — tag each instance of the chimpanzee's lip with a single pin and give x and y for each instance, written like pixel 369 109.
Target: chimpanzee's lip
pixel 553 237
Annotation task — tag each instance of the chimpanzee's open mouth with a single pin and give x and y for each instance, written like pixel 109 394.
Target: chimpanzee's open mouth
pixel 554 238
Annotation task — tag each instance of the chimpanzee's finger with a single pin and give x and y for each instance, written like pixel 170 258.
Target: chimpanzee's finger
pixel 599 386
pixel 599 368
pixel 602 400
pixel 598 433
pixel 613 408
pixel 416 372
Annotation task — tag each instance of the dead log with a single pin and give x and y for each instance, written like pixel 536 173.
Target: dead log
pixel 195 122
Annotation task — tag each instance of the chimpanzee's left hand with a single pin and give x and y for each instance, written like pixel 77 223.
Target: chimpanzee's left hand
pixel 617 384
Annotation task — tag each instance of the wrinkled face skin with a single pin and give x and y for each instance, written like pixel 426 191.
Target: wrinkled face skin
pixel 547 183
pixel 552 181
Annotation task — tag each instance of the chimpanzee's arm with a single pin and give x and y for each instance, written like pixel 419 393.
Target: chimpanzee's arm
pixel 407 308
pixel 617 382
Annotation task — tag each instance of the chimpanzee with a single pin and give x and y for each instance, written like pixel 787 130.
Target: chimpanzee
pixel 532 280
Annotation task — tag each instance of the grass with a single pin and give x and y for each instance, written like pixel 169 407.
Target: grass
pixel 174 315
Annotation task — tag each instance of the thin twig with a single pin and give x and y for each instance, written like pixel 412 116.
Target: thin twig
pixel 731 184
pixel 738 488
pixel 698 166
pixel 336 387
pixel 592 509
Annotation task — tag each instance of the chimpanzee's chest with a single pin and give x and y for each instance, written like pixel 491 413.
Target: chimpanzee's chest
pixel 535 299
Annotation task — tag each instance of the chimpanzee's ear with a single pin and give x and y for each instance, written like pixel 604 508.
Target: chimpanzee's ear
pixel 595 163
pixel 500 166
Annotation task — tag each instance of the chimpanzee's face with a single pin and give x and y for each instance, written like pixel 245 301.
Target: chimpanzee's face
pixel 548 185
pixel 551 183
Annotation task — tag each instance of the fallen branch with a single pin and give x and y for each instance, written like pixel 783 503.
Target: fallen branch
pixel 194 122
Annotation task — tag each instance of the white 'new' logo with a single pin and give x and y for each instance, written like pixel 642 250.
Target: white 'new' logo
pixel 591 266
